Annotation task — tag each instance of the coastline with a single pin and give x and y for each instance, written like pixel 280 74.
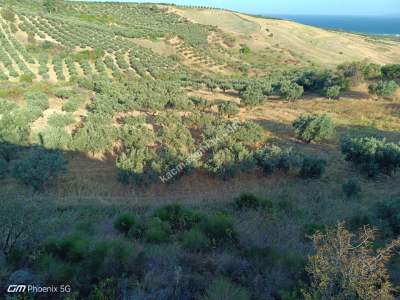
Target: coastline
pixel 384 26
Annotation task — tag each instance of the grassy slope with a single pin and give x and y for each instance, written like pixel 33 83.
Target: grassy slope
pixel 301 42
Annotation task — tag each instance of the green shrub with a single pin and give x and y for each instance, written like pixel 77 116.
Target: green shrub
pixel 224 289
pixel 383 88
pixel 64 93
pixel 388 213
pixel 47 45
pixel 6 106
pixel 275 158
pixel 97 134
pixel 71 248
pixel 73 103
pixel 99 259
pixel 55 138
pixel 124 223
pixel 195 240
pixel 354 71
pixel 333 92
pixel 320 81
pixel 157 231
pixel 38 167
pixel 15 125
pixel 247 201
pixel 228 109
pixel 253 95
pixel 59 120
pixel 312 167
pixel 372 156
pixel 3 168
pixel 105 289
pixel 200 103
pixel 8 14
pixel 37 100
pixel 218 228
pixel 313 127
pixel 179 218
pixel 372 71
pixel 250 201
pixel 9 152
pixel 391 72
pixel 290 90
pixel 351 188
pixel 28 78
pixel 245 50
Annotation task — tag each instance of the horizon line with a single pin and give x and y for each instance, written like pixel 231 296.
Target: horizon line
pixel 241 11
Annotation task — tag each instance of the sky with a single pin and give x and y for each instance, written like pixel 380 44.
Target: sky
pixel 300 7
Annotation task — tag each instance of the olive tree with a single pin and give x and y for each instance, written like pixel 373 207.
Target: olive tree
pixel 383 88
pixel 228 109
pixel 291 90
pixel 97 134
pixel 38 167
pixel 333 92
pixel 313 127
pixel 391 72
pixel 372 155
pixel 20 219
pixel 253 95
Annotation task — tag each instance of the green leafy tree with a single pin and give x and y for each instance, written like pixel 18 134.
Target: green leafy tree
pixel 228 109
pixel 8 14
pixel 50 6
pixel 383 88
pixel 275 158
pixel 137 166
pixel 38 167
pixel 313 127
pixel 96 135
pixel 354 71
pixel 372 155
pixel 372 71
pixel 290 90
pixel 391 72
pixel 245 50
pixel 20 222
pixel 333 92
pixel 253 95
pixel 312 167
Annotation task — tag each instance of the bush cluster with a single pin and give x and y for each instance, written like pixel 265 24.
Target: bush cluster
pixel 311 128
pixel 373 156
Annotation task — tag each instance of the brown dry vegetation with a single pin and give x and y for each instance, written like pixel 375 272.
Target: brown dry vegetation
pixel 296 41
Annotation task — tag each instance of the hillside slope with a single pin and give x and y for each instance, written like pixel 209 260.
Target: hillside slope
pixel 302 42
pixel 150 41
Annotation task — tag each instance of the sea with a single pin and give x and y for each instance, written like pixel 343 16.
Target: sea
pixel 376 25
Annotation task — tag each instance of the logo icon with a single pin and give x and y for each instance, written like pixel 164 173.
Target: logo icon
pixel 14 288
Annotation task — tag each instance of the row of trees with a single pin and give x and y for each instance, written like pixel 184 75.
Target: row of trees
pixel 291 86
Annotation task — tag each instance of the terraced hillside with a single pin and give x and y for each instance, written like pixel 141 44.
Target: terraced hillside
pixel 84 39
pixel 154 151
pixel 296 42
